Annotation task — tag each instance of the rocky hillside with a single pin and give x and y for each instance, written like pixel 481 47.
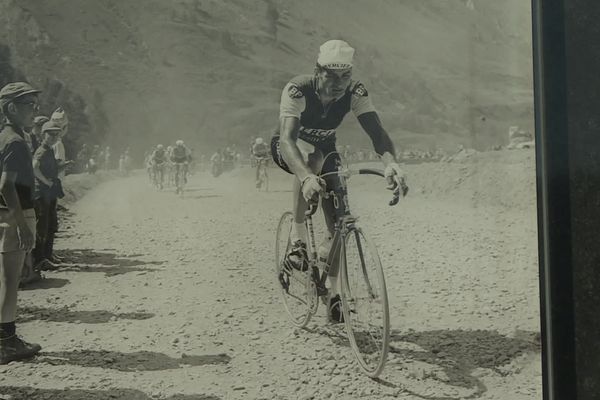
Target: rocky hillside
pixel 211 71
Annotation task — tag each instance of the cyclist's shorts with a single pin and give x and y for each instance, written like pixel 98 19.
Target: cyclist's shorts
pixel 332 158
pixel 179 160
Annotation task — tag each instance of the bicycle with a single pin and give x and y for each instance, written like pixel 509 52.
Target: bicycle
pixel 263 177
pixel 362 285
pixel 159 171
pixel 180 177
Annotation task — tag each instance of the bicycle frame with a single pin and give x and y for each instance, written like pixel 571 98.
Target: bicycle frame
pixel 370 283
pixel 344 224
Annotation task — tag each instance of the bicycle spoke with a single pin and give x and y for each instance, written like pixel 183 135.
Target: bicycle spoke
pixel 365 303
pixel 298 295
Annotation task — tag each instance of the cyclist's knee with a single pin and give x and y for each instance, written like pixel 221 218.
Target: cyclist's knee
pixel 315 161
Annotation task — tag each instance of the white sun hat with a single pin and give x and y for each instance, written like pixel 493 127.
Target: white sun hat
pixel 335 54
pixel 60 117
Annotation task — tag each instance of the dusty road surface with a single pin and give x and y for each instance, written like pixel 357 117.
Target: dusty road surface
pixel 171 298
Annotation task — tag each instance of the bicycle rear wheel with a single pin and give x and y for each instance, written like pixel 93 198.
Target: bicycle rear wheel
pixel 298 291
pixel 365 302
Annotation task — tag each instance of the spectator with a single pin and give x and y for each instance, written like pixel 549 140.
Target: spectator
pixel 19 102
pixel 36 132
pixel 125 163
pixel 83 157
pixel 48 189
pixel 107 158
pixel 92 164
pixel 60 117
pixel 33 139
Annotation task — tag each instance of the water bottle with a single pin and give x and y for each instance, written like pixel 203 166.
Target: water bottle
pixel 323 250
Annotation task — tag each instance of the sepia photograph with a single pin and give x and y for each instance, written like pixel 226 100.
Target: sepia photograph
pixel 268 199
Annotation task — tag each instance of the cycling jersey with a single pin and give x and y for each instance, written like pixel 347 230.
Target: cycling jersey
pixel 260 150
pixel 159 156
pixel 318 123
pixel 180 154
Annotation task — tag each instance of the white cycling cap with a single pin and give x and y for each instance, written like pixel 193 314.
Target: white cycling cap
pixel 259 140
pixel 335 54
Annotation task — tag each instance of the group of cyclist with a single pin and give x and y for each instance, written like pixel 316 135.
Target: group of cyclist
pixel 311 108
pixel 171 163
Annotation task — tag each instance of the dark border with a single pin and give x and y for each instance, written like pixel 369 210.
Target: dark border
pixel 567 98
pixel 554 225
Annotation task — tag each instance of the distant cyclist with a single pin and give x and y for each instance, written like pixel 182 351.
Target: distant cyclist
pixel 159 159
pixel 180 157
pixel 311 109
pixel 260 152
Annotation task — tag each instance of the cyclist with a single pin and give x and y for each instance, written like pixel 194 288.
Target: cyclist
pixel 216 163
pixel 148 164
pixel 159 158
pixel 260 152
pixel 180 157
pixel 169 167
pixel 311 108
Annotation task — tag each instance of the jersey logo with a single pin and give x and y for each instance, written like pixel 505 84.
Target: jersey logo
pixel 360 91
pixel 294 92
pixel 313 135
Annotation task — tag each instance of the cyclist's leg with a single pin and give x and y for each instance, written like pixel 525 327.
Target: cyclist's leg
pixel 314 161
pixel 331 164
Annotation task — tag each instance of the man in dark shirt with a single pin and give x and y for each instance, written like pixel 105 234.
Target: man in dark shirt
pixel 47 191
pixel 19 103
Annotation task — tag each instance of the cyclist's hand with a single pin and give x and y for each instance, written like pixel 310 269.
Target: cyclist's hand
pixel 312 185
pixel 395 177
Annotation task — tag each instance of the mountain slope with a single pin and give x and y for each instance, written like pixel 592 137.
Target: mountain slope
pixel 211 72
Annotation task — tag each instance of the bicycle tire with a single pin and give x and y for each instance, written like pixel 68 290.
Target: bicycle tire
pixel 179 181
pixel 365 302
pixel 300 304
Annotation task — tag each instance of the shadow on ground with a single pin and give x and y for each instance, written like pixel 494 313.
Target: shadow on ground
pixel 26 393
pixel 196 189
pixel 204 196
pixel 26 314
pixel 46 283
pixel 457 352
pixel 127 362
pixel 88 260
pixel 460 352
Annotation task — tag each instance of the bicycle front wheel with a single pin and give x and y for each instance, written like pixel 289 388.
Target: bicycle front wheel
pixel 365 302
pixel 298 291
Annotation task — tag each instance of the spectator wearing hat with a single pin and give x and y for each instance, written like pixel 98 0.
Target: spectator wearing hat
pixel 36 132
pixel 48 189
pixel 60 118
pixel 19 103
pixel 33 139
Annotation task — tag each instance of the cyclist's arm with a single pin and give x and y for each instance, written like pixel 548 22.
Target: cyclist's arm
pixel 382 143
pixel 289 129
pixel 291 107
